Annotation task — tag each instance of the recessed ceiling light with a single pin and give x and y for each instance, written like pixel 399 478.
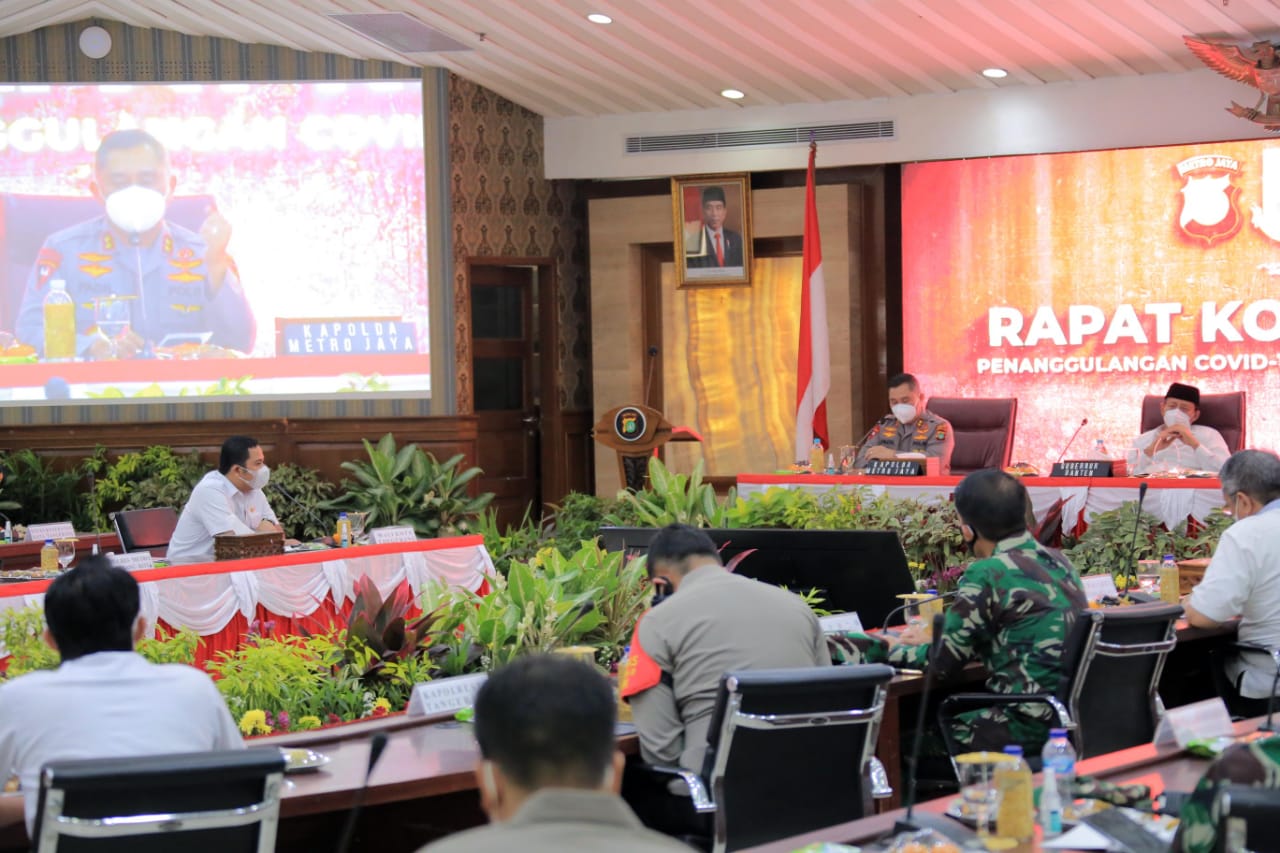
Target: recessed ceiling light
pixel 732 94
pixel 597 18
pixel 995 73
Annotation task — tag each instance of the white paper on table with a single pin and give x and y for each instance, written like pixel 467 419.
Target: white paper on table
pixel 1082 837
pixel 1099 586
pixel 839 623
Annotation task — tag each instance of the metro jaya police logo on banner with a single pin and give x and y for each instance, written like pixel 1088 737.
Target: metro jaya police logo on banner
pixel 1210 210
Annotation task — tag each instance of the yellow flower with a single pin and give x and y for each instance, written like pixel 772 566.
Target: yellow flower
pixel 308 722
pixel 383 703
pixel 255 723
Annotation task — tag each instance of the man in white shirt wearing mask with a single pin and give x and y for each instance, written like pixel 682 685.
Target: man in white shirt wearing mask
pixel 1180 443
pixel 229 500
pixel 909 429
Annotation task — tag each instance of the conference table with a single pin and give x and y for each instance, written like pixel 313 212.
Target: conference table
pixel 284 594
pixel 1171 499
pixel 1162 768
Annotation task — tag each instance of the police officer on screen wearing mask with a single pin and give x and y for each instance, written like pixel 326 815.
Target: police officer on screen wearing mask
pixel 909 429
pixel 175 280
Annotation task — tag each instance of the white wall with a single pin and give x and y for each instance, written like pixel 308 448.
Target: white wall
pixel 1119 112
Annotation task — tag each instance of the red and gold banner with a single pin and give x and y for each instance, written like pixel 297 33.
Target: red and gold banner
pixel 1080 282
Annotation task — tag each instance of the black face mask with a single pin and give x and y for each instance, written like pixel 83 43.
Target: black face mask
pixel 968 544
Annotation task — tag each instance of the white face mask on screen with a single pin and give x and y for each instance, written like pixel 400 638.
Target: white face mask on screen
pixel 904 412
pixel 259 478
pixel 1176 417
pixel 135 209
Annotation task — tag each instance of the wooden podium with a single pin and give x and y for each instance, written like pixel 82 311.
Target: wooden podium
pixel 633 432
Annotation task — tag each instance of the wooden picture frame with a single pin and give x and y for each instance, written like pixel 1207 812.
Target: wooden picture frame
pixel 700 201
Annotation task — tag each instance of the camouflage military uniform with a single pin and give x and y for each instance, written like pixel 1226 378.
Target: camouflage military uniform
pixel 168 282
pixel 927 434
pixel 1011 613
pixel 1256 764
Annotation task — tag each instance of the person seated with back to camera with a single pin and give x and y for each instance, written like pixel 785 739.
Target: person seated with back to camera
pixel 1012 611
pixel 104 700
pixel 549 765
pixel 1181 442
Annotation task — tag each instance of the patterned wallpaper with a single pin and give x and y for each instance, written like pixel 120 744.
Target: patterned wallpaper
pixel 503 206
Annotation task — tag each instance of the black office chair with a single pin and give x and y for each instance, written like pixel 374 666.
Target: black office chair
pixel 1248 819
pixel 983 430
pixel 1240 707
pixel 788 752
pixel 204 802
pixel 145 529
pixel 1112 658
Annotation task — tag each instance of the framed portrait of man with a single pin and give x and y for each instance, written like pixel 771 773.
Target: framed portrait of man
pixel 712 216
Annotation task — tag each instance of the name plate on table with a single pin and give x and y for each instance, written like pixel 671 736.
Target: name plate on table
pixel 445 696
pixel 841 623
pixel 133 562
pixel 1199 720
pixel 895 467
pixel 398 533
pixel 1082 468
pixel 1099 586
pixel 54 530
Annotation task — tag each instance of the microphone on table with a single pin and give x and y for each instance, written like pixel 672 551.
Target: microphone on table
pixel 1083 423
pixel 306 508
pixel 902 608
pixel 377 744
pixel 1133 544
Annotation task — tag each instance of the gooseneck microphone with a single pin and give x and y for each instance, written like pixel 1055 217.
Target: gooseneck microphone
pixel 305 507
pixel 1083 423
pixel 1133 544
pixel 907 822
pixel 377 744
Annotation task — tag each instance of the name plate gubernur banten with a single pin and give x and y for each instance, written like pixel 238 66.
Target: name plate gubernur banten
pixel 1082 468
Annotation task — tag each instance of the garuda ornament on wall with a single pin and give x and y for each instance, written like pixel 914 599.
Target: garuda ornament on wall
pixel 1257 65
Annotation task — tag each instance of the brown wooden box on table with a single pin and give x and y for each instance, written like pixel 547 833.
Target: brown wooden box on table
pixel 233 547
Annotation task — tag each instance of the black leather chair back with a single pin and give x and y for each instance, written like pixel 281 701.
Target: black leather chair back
pixel 983 429
pixel 145 529
pixel 1249 817
pixel 805 770
pixel 1223 412
pixel 158 785
pixel 1119 668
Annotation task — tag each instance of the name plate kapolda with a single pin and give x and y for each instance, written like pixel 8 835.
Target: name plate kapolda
pixel 895 467
pixel 353 336
pixel 1082 468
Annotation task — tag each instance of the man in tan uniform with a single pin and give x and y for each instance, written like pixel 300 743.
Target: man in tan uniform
pixel 714 622
pixel 909 428
pixel 550 770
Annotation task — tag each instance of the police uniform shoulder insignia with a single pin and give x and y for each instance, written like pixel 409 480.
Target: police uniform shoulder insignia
pixel 108 242
pixel 638 671
pixel 47 263
pixel 940 432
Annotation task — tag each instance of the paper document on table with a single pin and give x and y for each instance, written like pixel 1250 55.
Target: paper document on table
pixel 1099 586
pixel 840 623
pixel 1083 837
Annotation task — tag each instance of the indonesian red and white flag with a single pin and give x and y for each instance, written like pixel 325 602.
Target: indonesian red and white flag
pixel 813 361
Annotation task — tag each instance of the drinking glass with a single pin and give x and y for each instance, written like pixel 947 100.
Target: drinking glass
pixel 978 788
pixel 66 552
pixel 111 313
pixel 358 520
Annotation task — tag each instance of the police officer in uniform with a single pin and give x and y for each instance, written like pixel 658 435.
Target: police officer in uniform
pixel 713 622
pixel 909 429
pixel 175 280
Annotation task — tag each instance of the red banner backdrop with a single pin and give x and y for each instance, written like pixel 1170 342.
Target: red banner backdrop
pixel 1080 282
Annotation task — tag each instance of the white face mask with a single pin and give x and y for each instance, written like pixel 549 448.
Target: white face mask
pixel 904 412
pixel 258 479
pixel 136 209
pixel 1176 417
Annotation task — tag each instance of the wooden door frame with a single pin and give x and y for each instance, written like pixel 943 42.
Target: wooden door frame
pixel 552 477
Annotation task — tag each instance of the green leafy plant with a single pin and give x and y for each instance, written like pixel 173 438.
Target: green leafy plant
pixel 671 498
pixel 302 519
pixel 409 486
pixel 1109 545
pixel 44 489
pixel 154 477
pixel 23 632
pixel 510 543
pixel 179 647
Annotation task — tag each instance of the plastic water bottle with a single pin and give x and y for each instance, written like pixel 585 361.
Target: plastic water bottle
pixel 1016 814
pixel 1059 756
pixel 59 322
pixel 1170 583
pixel 816 457
pixel 49 557
pixel 344 530
pixel 1050 805
pixel 1100 450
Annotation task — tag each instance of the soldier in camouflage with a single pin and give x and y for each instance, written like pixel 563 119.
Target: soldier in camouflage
pixel 1011 613
pixel 910 428
pixel 1256 764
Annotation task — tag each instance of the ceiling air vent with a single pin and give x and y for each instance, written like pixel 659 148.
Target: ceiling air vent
pixel 400 32
pixel 862 130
